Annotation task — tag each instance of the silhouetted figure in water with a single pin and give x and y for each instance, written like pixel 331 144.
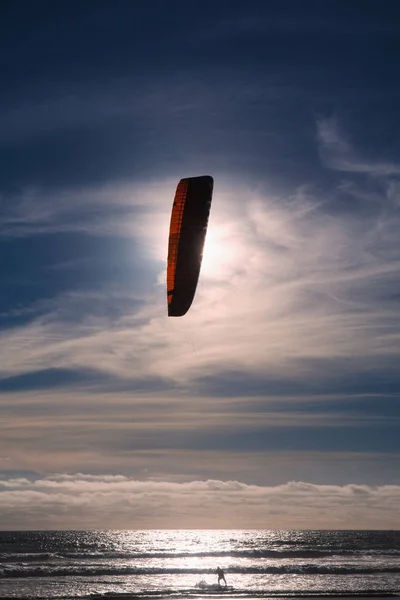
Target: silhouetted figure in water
pixel 221 576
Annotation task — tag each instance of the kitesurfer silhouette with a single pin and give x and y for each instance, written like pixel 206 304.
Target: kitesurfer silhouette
pixel 221 576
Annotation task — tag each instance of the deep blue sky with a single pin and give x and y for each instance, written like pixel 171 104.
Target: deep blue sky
pixel 286 367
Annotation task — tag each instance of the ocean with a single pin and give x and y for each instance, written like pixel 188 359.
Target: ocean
pixel 182 564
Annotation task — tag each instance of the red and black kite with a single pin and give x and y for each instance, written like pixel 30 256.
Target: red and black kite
pixel 187 234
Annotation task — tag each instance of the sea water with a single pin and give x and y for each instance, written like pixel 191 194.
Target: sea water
pixel 183 563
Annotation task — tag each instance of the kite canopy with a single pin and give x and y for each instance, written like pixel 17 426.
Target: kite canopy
pixel 187 234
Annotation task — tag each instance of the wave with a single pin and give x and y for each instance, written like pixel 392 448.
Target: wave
pixel 242 593
pixel 28 557
pixel 249 554
pixel 27 570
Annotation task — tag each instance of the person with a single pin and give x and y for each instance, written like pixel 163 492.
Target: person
pixel 221 576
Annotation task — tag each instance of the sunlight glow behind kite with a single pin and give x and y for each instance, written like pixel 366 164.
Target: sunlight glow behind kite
pixel 221 253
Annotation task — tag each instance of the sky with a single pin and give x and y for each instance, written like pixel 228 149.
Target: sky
pixel 274 403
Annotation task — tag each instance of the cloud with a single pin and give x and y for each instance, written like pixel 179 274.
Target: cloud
pixel 297 300
pixel 288 288
pixel 291 346
pixel 110 209
pixel 160 430
pixel 72 106
pixel 114 501
pixel 338 154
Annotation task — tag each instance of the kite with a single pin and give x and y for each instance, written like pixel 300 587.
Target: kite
pixel 187 233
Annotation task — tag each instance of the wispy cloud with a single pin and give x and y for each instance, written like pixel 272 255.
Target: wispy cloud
pixel 286 284
pixel 64 108
pixel 337 153
pixel 102 210
pixel 298 299
pixel 286 366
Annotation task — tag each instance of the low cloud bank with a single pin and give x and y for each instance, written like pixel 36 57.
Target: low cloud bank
pixel 114 501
